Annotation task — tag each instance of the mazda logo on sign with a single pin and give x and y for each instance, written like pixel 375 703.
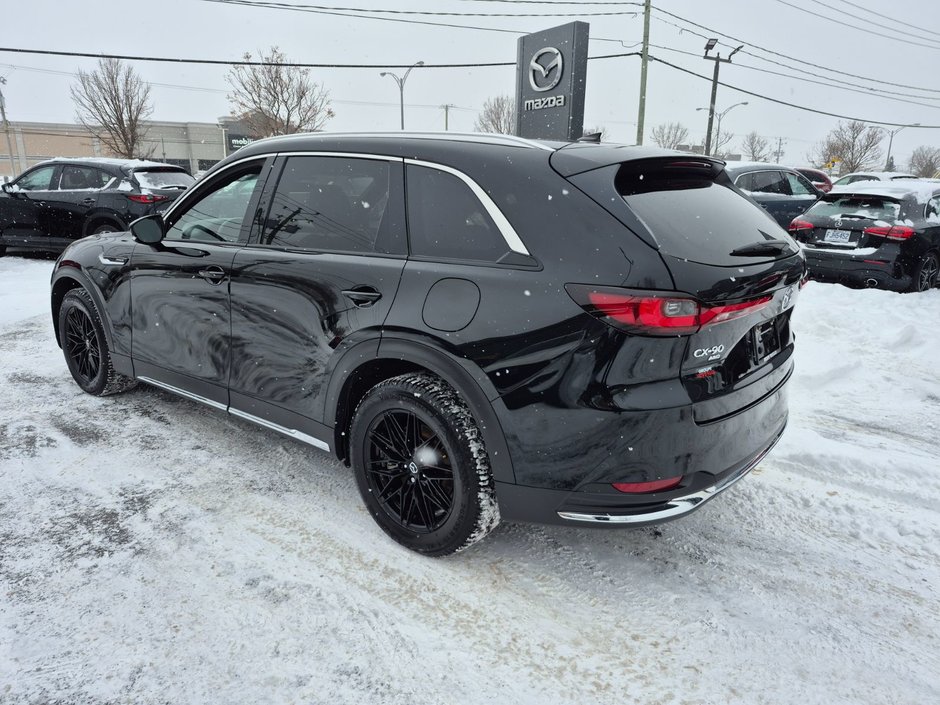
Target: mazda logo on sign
pixel 544 77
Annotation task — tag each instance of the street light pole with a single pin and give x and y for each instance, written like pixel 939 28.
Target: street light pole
pixel 6 129
pixel 720 116
pixel 711 108
pixel 892 133
pixel 400 80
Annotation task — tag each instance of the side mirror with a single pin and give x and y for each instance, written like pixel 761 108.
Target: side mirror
pixel 7 187
pixel 149 230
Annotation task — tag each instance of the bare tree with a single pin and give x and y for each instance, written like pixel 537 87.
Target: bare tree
pixel 722 139
pixel 858 147
pixel 670 134
pixel 276 99
pixel 112 102
pixel 498 115
pixel 925 162
pixel 756 148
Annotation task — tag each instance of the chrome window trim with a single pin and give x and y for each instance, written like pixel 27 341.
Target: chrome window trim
pixel 513 241
pixel 292 432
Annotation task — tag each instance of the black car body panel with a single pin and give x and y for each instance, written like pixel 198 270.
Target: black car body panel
pixel 83 196
pixel 568 403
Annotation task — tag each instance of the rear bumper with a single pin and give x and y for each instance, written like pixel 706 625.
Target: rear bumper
pixel 857 270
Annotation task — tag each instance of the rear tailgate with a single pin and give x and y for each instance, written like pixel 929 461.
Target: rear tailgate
pixel 164 184
pixel 727 254
pixel 851 223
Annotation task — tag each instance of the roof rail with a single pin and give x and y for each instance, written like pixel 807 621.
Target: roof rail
pixel 479 137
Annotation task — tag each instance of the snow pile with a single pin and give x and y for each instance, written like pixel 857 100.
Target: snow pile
pixel 154 551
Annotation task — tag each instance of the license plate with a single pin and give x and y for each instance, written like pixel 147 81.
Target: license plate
pixel 837 235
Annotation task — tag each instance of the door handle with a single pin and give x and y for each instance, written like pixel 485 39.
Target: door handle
pixel 213 274
pixel 362 296
pixel 88 201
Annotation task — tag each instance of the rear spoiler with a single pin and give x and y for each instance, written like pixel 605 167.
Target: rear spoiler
pixel 579 157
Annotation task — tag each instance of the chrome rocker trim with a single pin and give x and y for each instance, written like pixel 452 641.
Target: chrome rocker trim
pixel 293 433
pixel 674 507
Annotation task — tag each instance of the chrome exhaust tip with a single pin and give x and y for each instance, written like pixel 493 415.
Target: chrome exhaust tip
pixel 871 282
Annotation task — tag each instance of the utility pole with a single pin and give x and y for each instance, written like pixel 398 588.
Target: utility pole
pixel 891 141
pixel 779 153
pixel 711 106
pixel 6 129
pixel 447 107
pixel 641 112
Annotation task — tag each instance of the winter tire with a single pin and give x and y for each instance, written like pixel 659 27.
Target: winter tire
pixel 421 466
pixel 925 273
pixel 102 229
pixel 85 346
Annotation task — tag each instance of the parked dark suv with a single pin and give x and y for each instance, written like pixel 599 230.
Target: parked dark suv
pixel 781 191
pixel 59 201
pixel 482 326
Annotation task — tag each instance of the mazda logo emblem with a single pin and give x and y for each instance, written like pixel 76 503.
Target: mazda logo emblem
pixel 544 77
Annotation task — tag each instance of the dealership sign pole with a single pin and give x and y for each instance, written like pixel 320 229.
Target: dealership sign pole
pixel 551 72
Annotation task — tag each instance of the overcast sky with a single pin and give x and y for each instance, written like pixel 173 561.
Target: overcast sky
pixel 876 48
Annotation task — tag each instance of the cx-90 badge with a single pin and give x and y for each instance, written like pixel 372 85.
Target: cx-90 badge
pixel 712 353
pixel 540 76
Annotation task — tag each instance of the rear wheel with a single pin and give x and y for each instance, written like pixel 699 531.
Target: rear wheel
pixel 85 346
pixel 421 466
pixel 106 228
pixel 925 273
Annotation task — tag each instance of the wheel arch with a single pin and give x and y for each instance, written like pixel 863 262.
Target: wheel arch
pixel 63 281
pixel 392 357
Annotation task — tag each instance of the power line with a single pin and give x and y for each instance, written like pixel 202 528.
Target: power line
pixel 887 17
pixel 272 5
pixel 786 56
pixel 792 105
pixel 843 23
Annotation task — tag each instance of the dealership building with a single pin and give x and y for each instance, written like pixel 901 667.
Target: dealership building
pixel 195 146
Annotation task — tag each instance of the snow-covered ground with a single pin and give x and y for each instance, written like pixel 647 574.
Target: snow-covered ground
pixel 156 551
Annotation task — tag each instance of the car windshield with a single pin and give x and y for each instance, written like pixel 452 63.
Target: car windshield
pixel 163 178
pixel 872 207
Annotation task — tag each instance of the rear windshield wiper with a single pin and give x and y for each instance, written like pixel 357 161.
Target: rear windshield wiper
pixel 764 247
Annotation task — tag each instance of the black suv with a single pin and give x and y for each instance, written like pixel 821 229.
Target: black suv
pixel 481 326
pixel 781 191
pixel 62 200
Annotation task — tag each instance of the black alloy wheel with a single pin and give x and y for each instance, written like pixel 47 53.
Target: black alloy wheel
pixel 925 275
pixel 421 465
pixel 409 471
pixel 82 347
pixel 85 346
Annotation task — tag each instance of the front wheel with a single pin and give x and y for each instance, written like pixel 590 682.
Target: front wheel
pixel 925 273
pixel 421 466
pixel 85 346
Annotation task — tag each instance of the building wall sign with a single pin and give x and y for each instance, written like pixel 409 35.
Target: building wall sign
pixel 551 71
pixel 238 141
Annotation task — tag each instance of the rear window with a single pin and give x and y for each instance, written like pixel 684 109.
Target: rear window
pixel 163 178
pixel 873 207
pixel 691 216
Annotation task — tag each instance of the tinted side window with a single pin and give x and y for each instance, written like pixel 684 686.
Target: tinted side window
pixel 39 180
pixel 79 178
pixel 447 221
pixel 329 203
pixel 766 182
pixel 799 185
pixel 933 210
pixel 217 216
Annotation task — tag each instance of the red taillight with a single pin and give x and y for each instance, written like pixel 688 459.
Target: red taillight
pixel 146 197
pixel 646 487
pixel 655 313
pixel 896 232
pixel 798 224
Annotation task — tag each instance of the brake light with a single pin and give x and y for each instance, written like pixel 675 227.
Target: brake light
pixel 146 198
pixel 646 487
pixel 896 232
pixel 798 224
pixel 657 313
